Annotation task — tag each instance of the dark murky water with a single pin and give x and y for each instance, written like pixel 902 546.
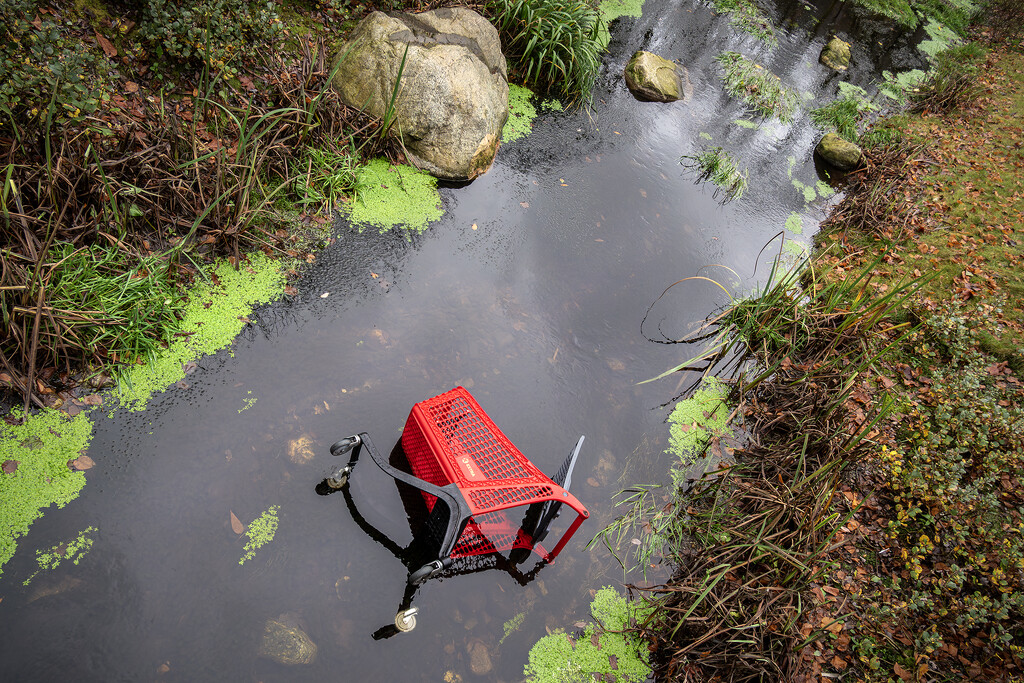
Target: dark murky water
pixel 537 311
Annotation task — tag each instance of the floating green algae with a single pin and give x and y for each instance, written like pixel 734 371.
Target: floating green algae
pixel 568 658
pixel 215 314
pixel 521 114
pixel 808 190
pixel 551 104
pixel 260 532
pixel 36 475
pixel 394 196
pixel 247 402
pixel 745 123
pixel 512 625
pixel 610 10
pixel 695 420
pixel 795 224
pixel 71 551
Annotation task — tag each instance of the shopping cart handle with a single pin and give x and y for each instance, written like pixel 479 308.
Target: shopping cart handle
pixel 458 510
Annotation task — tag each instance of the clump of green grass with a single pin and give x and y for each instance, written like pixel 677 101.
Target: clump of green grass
pixel 98 299
pixel 758 87
pixel 323 177
pixel 720 168
pixel 899 11
pixel 953 82
pixel 749 18
pixel 844 116
pixel 890 130
pixel 554 45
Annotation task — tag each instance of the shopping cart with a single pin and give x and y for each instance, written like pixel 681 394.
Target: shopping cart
pixel 460 459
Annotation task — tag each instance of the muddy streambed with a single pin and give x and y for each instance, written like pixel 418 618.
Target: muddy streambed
pixel 529 292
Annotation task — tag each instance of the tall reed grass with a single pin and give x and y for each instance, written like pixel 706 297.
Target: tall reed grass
pixel 554 45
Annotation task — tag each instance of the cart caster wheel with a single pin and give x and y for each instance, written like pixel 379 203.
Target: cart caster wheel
pixel 345 445
pixel 405 621
pixel 425 572
pixel 339 479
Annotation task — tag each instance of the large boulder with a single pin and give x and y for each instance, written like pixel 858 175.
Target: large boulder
pixel 655 78
pixel 835 54
pixel 841 153
pixel 453 96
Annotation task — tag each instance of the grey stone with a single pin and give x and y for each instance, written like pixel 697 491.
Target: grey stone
pixel 453 95
pixel 286 643
pixel 655 78
pixel 841 153
pixel 835 54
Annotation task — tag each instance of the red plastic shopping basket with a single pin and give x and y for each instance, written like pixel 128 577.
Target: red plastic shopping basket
pixel 449 439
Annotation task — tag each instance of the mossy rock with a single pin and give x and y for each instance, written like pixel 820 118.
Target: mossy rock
pixel 655 78
pixel 286 643
pixel 835 54
pixel 838 152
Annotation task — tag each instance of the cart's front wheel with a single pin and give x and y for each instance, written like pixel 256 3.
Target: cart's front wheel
pixel 345 445
pixel 405 620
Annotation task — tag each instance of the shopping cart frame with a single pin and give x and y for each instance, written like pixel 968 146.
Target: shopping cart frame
pixel 485 474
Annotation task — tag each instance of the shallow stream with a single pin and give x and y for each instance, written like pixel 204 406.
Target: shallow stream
pixel 530 293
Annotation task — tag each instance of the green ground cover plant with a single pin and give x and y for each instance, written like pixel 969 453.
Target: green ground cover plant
pixel 35 472
pixel 761 90
pixel 956 14
pixel 216 34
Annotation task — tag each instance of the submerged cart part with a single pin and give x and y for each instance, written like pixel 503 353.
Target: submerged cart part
pixel 38 470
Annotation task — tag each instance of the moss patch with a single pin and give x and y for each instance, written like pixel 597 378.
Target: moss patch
pixel 214 316
pixel 695 420
pixel 521 114
pixel 563 657
pixel 394 196
pixel 35 473
pixel 260 532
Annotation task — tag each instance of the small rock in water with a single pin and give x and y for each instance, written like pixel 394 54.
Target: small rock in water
pixel 655 78
pixel 479 658
pixel 836 54
pixel 841 153
pixel 300 450
pixel 285 643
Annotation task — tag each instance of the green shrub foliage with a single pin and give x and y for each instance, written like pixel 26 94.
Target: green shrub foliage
pixel 217 33
pixel 40 63
pixel 955 483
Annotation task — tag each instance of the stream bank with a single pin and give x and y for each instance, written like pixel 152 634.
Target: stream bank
pixel 867 523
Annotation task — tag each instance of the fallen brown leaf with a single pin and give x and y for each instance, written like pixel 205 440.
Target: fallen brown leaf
pixel 236 524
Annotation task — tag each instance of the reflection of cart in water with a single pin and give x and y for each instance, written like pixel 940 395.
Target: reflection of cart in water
pixel 460 459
